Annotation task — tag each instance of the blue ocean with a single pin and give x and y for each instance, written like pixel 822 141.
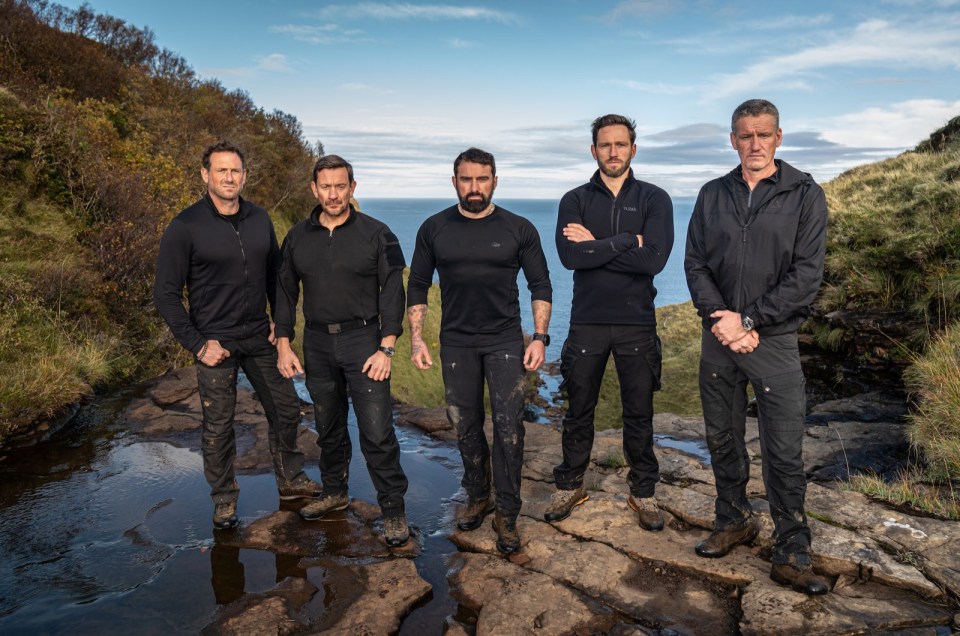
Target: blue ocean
pixel 404 217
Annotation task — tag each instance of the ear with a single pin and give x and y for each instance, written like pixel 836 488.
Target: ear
pixel 733 140
pixel 593 151
pixel 633 151
pixel 204 174
pixel 453 180
pixel 494 182
pixel 313 188
pixel 779 137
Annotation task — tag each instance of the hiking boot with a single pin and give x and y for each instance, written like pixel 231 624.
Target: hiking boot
pixel 508 539
pixel 225 515
pixel 326 503
pixel 720 542
pixel 395 530
pixel 802 579
pixel 302 487
pixel 562 503
pixel 471 517
pixel 647 512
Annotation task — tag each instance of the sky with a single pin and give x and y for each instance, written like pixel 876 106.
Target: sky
pixel 400 88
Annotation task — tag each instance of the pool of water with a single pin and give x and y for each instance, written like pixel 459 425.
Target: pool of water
pixel 103 533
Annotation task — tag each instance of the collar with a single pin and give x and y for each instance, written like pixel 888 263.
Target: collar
pixel 315 217
pixel 486 212
pixel 242 212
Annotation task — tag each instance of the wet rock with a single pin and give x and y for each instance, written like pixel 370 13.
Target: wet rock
pixel 257 615
pixel 838 449
pixel 173 387
pixel 875 406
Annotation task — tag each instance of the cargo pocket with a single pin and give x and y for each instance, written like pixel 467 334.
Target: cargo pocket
pixel 782 400
pixel 652 354
pixel 574 360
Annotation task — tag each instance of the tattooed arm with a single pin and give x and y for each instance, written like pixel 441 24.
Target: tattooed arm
pixel 535 354
pixel 419 352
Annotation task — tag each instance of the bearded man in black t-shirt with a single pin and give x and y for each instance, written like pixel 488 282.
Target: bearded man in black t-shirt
pixel 477 248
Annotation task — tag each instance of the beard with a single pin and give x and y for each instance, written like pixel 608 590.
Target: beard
pixel 333 211
pixel 613 173
pixel 474 206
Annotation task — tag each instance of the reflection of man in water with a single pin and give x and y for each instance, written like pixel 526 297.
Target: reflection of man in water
pixel 226 573
pixel 477 248
pixel 224 250
pixel 351 269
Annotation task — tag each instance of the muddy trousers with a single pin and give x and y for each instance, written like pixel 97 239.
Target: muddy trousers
pixel 464 371
pixel 218 399
pixel 334 364
pixel 637 356
pixel 773 370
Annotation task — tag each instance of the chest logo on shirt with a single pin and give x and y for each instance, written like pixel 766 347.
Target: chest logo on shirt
pixel 629 209
pixel 495 244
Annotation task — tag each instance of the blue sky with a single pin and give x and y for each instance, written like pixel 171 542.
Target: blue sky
pixel 399 89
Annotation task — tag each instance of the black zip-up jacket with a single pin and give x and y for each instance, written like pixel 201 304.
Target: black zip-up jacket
pixel 230 274
pixel 765 262
pixel 353 272
pixel 613 276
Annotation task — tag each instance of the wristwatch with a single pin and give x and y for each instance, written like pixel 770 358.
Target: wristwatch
pixel 747 323
pixel 542 337
pixel 387 351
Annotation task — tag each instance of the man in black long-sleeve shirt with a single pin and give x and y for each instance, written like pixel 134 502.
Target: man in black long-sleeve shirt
pixel 351 268
pixel 224 250
pixel 615 233
pixel 478 248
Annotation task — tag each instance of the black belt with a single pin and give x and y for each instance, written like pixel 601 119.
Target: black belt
pixel 341 327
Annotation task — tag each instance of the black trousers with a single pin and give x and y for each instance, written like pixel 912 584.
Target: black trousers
pixel 774 371
pixel 464 371
pixel 218 398
pixel 333 363
pixel 638 359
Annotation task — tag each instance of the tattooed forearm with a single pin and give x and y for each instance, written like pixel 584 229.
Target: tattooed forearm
pixel 416 315
pixel 541 316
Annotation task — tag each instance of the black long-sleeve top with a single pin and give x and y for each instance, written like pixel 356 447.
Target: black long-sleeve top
pixel 478 261
pixel 352 272
pixel 613 275
pixel 230 274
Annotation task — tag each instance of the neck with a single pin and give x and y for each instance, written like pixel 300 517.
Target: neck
pixel 754 177
pixel 226 207
pixel 614 183
pixel 477 215
pixel 331 222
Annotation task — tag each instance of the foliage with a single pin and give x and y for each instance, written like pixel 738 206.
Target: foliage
pixel 912 490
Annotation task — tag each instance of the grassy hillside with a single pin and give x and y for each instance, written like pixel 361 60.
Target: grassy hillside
pixel 100 140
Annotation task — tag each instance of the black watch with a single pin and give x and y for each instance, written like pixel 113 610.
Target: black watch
pixel 542 337
pixel 747 323
pixel 387 351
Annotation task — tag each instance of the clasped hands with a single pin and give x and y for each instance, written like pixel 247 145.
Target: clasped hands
pixel 730 332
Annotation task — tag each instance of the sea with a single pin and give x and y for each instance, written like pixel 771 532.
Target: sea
pixel 404 217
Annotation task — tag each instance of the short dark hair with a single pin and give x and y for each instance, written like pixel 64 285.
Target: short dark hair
pixel 332 162
pixel 222 146
pixel 475 155
pixel 754 108
pixel 614 120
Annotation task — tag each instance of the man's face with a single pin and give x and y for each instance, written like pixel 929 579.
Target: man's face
pixel 333 190
pixel 756 140
pixel 226 177
pixel 475 184
pixel 613 150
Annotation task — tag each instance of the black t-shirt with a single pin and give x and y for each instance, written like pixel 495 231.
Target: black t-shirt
pixel 477 261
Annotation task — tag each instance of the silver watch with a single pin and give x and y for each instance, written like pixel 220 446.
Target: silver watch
pixel 747 323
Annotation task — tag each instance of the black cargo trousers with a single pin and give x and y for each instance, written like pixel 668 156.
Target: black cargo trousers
pixel 333 363
pixel 774 370
pixel 638 359
pixel 218 399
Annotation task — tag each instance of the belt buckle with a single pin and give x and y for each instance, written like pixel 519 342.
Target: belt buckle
pixel 334 329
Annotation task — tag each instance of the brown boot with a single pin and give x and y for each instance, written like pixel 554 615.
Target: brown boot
pixel 508 539
pixel 647 512
pixel 802 579
pixel 225 515
pixel 471 517
pixel 720 542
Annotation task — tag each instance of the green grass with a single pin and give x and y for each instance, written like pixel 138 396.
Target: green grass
pixel 911 490
pixel 614 460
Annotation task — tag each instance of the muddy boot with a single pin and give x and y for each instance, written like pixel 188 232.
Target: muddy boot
pixel 471 517
pixel 647 512
pixel 800 578
pixel 225 515
pixel 508 539
pixel 562 503
pixel 300 488
pixel 395 530
pixel 720 542
pixel 326 503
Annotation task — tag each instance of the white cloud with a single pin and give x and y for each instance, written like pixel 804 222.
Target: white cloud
pixel 897 127
pixel 408 11
pixel 930 45
pixel 650 87
pixel 320 33
pixel 457 43
pixel 276 62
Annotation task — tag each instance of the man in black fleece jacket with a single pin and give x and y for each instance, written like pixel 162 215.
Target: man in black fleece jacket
pixel 754 261
pixel 223 248
pixel 477 248
pixel 615 233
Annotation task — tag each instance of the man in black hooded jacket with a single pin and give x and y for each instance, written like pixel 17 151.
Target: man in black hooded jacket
pixel 754 262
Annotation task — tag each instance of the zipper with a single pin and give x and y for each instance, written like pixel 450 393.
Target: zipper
pixel 246 280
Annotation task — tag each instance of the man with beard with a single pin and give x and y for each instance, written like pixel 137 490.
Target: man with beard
pixel 615 233
pixel 754 262
pixel 224 250
pixel 477 248
pixel 351 269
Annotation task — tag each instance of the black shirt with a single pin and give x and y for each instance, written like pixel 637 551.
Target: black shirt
pixel 478 261
pixel 353 272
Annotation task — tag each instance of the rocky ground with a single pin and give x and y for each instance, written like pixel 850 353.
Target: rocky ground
pixel 597 571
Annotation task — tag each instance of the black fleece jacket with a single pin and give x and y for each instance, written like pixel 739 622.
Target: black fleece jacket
pixel 353 272
pixel 230 274
pixel 613 275
pixel 765 262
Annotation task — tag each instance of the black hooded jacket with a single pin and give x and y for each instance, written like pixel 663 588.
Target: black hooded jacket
pixel 765 262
